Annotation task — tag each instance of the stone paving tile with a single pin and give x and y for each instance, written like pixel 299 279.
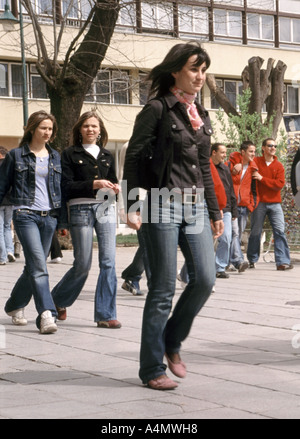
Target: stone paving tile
pixel 242 354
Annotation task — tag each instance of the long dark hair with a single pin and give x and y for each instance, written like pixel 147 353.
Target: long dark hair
pixel 33 122
pixel 77 140
pixel 161 75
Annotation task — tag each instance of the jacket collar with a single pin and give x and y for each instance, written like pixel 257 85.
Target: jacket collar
pixel 171 101
pixel 80 149
pixel 26 149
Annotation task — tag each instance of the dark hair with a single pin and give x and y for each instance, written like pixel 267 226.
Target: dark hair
pixel 33 122
pixel 245 145
pixel 3 150
pixel 215 147
pixel 76 129
pixel 267 140
pixel 161 75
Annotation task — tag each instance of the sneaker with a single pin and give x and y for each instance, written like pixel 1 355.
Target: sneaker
pixel 11 257
pixel 251 265
pixel 47 325
pixel 243 266
pixel 132 286
pixel 56 260
pixel 2 263
pixel 222 275
pixel 110 324
pixel 230 268
pixel 18 317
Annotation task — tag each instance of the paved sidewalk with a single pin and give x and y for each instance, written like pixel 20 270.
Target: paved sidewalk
pixel 243 354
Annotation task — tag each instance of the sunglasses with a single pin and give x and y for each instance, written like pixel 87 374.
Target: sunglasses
pixel 271 146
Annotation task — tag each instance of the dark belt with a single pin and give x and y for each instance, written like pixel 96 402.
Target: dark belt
pixel 186 198
pixel 52 212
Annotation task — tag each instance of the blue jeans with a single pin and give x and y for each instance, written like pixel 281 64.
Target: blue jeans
pixel 6 241
pixel 276 217
pixel 238 228
pixel 224 242
pixel 139 264
pixel 83 220
pixel 160 332
pixel 35 234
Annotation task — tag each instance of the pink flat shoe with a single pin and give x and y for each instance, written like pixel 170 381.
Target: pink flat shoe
pixel 162 382
pixel 178 368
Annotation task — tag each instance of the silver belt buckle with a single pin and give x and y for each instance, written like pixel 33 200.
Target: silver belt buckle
pixel 189 198
pixel 44 212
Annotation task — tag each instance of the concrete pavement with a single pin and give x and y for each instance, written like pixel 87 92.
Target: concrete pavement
pixel 243 354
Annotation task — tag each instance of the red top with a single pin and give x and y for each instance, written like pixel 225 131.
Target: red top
pixel 219 187
pixel 245 188
pixel 269 188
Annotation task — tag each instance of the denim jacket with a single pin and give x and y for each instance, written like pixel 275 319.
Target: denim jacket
pixel 18 173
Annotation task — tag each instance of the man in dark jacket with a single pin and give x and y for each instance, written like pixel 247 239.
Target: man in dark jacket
pixel 218 156
pixel 6 241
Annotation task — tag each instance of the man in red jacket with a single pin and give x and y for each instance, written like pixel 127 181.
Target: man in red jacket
pixel 242 166
pixel 271 179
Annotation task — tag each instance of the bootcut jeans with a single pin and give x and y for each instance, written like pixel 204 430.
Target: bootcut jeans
pixel 84 218
pixel 35 234
pixel 160 332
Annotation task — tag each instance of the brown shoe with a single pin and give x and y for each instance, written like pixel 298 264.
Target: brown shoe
pixel 284 267
pixel 176 365
pixel 162 382
pixel 61 313
pixel 111 324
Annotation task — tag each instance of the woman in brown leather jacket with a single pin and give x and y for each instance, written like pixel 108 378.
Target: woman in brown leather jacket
pixel 181 202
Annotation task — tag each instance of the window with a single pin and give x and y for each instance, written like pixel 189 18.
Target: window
pixel 231 88
pixel 38 87
pixel 44 7
pixel 3 80
pixel 230 2
pixel 260 27
pixel 267 5
pixel 290 6
pixel 157 16
pixel 228 23
pixel 70 8
pixel 193 19
pixel 143 88
pixel 289 30
pixel 292 100
pixel 110 87
pixel 127 14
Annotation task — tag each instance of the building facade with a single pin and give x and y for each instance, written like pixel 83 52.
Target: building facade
pixel 232 32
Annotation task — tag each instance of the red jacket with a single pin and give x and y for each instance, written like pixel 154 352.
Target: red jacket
pixel 219 187
pixel 245 188
pixel 269 188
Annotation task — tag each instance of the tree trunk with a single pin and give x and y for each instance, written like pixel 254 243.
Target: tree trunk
pixel 275 102
pixel 68 92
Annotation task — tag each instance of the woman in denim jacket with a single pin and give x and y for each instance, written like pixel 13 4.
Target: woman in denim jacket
pixel 33 172
pixel 90 185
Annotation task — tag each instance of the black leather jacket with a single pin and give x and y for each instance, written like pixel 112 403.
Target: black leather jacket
pixel 170 132
pixel 80 169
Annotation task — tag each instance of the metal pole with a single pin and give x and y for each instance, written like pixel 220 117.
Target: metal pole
pixel 24 73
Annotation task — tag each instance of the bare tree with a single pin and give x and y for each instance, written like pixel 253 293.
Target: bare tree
pixel 68 82
pixel 267 87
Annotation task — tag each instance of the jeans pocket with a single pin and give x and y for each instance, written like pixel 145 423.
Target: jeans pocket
pixel 79 218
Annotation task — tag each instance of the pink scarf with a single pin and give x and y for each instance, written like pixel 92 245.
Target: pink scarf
pixel 189 101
